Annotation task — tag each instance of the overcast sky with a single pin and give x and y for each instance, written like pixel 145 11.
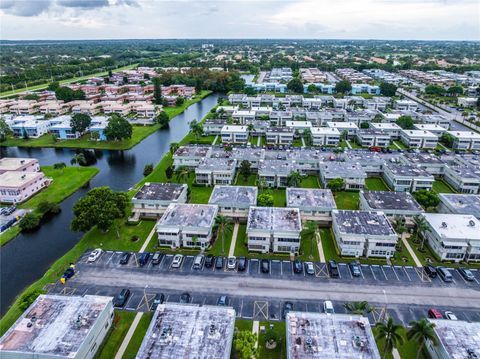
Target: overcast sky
pixel 320 19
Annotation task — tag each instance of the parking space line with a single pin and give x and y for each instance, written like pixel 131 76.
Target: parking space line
pixel 394 272
pixel 361 270
pixel 371 269
pixel 110 258
pixel 241 307
pixel 406 273
pixel 128 301
pixel 383 272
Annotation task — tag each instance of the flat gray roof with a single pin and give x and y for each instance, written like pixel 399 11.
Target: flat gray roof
pixel 466 171
pixel 342 169
pixel 276 166
pixel 189 331
pixel 322 336
pixel 217 164
pixel 458 337
pixel 408 170
pixel 423 158
pixel 189 215
pixel 234 195
pixel 391 200
pixel 363 223
pixel 274 219
pixel 11 163
pixel 310 198
pixel 160 191
pixel 192 151
pixel 462 203
pixel 54 325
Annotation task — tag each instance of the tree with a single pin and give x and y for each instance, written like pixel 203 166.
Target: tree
pixel 245 169
pixel 94 136
pixel 79 122
pixel 59 166
pixel 405 122
pixel 309 234
pixel 420 331
pixel 66 94
pixel 343 87
pixel 421 226
pixel 30 221
pixel 434 90
pixel 46 207
pixel 5 130
pixel 169 172
pixel 174 147
pixel 307 135
pixel 182 173
pixel 265 200
pixel 295 85
pixel 447 139
pixel 99 207
pixel 53 86
pixel 262 184
pixel 294 179
pixel 428 199
pixel 455 90
pixel 399 225
pixel 359 308
pixel 387 89
pixel 377 118
pixel 336 184
pixel 312 88
pixel 162 119
pixel 118 128
pixel 78 159
pixel 390 333
pixel 179 101
pixel 244 344
pixel 222 224
pixel 28 298
pixel 147 169
pixel 364 125
pixel 157 91
pixel 196 128
pixel 250 128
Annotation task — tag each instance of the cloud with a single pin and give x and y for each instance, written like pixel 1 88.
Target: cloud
pixel 85 4
pixel 25 7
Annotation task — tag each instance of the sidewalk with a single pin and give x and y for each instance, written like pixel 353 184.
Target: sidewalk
pixel 231 251
pixel 255 327
pixel 320 247
pixel 410 250
pixel 129 336
pixel 147 241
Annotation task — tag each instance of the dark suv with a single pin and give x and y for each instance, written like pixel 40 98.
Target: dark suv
pixel 265 266
pixel 431 271
pixel 297 266
pixel 125 258
pixel 333 269
pixel 121 298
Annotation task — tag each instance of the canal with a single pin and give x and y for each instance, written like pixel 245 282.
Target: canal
pixel 27 257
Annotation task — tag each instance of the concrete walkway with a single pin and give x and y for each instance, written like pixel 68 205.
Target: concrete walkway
pixel 255 327
pixel 320 247
pixel 150 235
pixel 303 142
pixel 129 335
pixel 259 140
pixel 396 145
pixel 231 251
pixel 396 354
pixel 215 140
pixel 410 250
pixel 348 144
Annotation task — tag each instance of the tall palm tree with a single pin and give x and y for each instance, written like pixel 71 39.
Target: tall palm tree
pixel 294 179
pixel 359 308
pixel 78 159
pixel 420 227
pixel 390 332
pixel 250 128
pixel 223 226
pixel 399 226
pixel 182 173
pixel 174 147
pixel 262 184
pixel 421 331
pixel 309 233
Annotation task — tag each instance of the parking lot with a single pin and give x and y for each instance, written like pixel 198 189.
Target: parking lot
pixel 281 269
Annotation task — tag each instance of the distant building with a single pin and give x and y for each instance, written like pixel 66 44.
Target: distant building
pixel 467 101
pixel 406 105
pixel 234 134
pixel 371 137
pixel 190 155
pixel 437 130
pixel 279 136
pixel 465 140
pixel 459 204
pixel 464 179
pixel 314 204
pixel 17 187
pixel 234 201
pixel 418 139
pixel 391 129
pixel 189 331
pixel 275 172
pixel 350 127
pixel 153 198
pixel 29 126
pixel 325 136
pixel 59 326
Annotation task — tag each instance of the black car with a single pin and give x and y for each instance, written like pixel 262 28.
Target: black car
pixel 431 271
pixel 125 257
pixel 158 299
pixel 69 272
pixel 209 260
pixel 121 298
pixel 185 298
pixel 297 266
pixel 156 258
pixel 242 264
pixel 222 301
pixel 265 265
pixel 287 306
pixel 219 262
pixel 143 259
pixel 333 269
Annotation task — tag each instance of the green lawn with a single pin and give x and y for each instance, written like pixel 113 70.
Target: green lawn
pixel 310 182
pixel 280 351
pixel 401 145
pixel 376 184
pixel 347 199
pixel 138 336
pixel 65 183
pixel 297 142
pixel 279 196
pixel 440 186
pixel 243 324
pixel 407 351
pixel 200 194
pixel 121 323
pixel 250 181
pixel 205 140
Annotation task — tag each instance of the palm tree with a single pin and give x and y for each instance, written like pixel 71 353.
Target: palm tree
pixel 174 147
pixel 78 159
pixel 182 173
pixel 359 308
pixel 262 184
pixel 421 331
pixel 223 225
pixel 421 226
pixel 390 332
pixel 399 226
pixel 250 128
pixel 294 179
pixel 309 233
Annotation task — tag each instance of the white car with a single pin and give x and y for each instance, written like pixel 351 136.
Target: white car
pixel 231 262
pixel 328 307
pixel 450 315
pixel 177 261
pixel 309 268
pixel 96 253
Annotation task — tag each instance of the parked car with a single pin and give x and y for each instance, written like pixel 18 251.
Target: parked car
pixel 94 255
pixel 185 298
pixel 265 266
pixel 287 307
pixel 219 262
pixel 450 315
pixel 445 274
pixel 328 307
pixel 242 264
pixel 158 299
pixel 434 314
pixel 198 261
pixel 297 266
pixel 209 261
pixel 125 257
pixel 431 271
pixel 156 258
pixel 222 301
pixel 466 274
pixel 177 261
pixel 309 268
pixel 231 262
pixel 143 259
pixel 333 268
pixel 121 298
pixel 355 269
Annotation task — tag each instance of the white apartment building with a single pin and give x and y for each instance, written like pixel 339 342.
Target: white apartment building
pixel 213 171
pixel 418 139
pixel 465 140
pixel 392 129
pixel 353 174
pixel 314 204
pixel 407 178
pixel 350 127
pixel 234 134
pixel 234 201
pixel 406 105
pixel 279 136
pixel 437 130
pixel 325 136
pixel 463 178
pixel 190 155
pixel 371 137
